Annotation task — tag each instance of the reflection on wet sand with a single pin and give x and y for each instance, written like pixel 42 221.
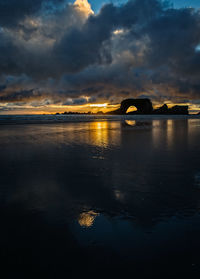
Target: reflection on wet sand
pixel 86 219
pixel 130 122
pixel 136 177
pixel 103 164
pixel 101 134
pixel 169 131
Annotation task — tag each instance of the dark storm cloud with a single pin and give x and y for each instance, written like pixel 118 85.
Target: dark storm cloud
pixel 144 47
pixel 173 38
pixel 2 87
pixel 14 11
pixel 81 47
pixel 18 96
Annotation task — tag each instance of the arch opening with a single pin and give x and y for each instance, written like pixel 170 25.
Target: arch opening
pixel 144 106
pixel 131 110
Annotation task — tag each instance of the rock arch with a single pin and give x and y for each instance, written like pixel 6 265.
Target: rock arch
pixel 144 106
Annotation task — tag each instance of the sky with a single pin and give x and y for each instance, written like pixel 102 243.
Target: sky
pixel 97 4
pixel 59 55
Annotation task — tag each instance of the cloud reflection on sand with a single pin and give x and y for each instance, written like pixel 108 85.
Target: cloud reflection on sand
pixel 100 164
pixel 100 133
pixel 110 186
pixel 86 219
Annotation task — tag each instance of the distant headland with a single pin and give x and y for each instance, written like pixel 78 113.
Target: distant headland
pixel 143 106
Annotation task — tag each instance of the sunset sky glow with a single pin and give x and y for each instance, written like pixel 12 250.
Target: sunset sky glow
pixel 59 55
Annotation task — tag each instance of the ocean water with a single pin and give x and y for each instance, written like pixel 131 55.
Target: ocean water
pixel 91 195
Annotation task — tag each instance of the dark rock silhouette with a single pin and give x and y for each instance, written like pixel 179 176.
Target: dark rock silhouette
pixel 174 110
pixel 144 106
pixel 178 110
pixel 162 110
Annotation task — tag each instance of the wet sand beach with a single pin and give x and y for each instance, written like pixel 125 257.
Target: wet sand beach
pixel 100 197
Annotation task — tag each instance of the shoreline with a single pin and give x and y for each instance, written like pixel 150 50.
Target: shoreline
pixel 59 119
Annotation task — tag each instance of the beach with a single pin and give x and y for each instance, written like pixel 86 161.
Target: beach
pixel 100 195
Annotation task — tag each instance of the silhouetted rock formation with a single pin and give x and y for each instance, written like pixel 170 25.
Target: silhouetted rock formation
pixel 144 106
pixel 181 110
pixel 178 110
pixel 162 110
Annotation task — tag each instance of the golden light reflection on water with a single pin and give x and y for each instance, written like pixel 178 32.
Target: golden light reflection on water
pixel 101 134
pixel 156 132
pixel 96 133
pixel 130 122
pixel 170 132
pixel 87 219
pixel 193 127
pixel 163 129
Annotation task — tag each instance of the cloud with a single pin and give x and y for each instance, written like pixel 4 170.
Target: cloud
pixel 18 96
pixel 84 7
pixel 62 52
pixel 14 11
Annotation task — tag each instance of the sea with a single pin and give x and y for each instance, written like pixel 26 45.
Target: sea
pixel 91 195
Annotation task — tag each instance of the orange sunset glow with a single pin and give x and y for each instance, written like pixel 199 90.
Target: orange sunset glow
pixel 86 108
pixel 99 139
